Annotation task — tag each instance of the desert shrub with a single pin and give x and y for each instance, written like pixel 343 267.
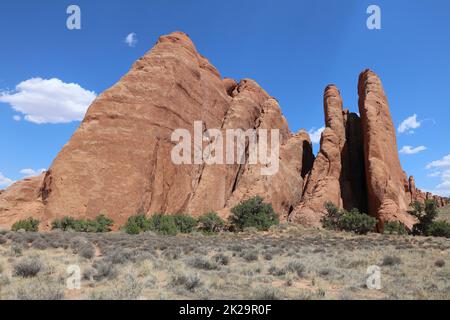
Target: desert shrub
pixel 295 267
pixel 65 223
pixel 185 223
pixel 439 263
pixel 395 227
pixel 210 222
pixel 40 290
pixel 202 263
pixel 120 256
pixel 137 224
pixel 267 256
pixel 253 213
pixel 103 223
pixel 163 224
pixel 352 221
pixel 16 249
pixel 173 253
pixel 77 243
pixel 40 244
pixel 332 218
pixel 127 288
pixel 104 270
pixel 277 272
pixel 222 259
pixel 89 273
pixel 189 281
pixel 357 222
pixel 439 229
pixel 2 240
pixel 250 256
pixel 391 261
pixel 425 213
pixel 27 267
pixel 87 251
pixel 266 293
pixel 99 225
pixel 29 225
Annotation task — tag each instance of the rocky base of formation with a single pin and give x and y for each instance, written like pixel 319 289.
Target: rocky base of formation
pixel 118 162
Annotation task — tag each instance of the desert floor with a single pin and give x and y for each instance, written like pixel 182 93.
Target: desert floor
pixel 288 262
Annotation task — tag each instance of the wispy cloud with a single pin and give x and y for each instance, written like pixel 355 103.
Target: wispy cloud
pixel 4 181
pixel 441 163
pixel 27 173
pixel 409 124
pixel 315 135
pixel 49 101
pixel 443 166
pixel 412 150
pixel 131 39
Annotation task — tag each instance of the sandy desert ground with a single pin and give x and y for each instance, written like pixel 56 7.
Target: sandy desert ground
pixel 288 262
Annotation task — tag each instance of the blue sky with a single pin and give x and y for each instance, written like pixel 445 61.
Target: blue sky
pixel 293 49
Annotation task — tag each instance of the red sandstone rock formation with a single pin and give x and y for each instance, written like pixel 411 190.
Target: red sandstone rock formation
pixel 387 199
pixel 119 160
pixel 21 200
pixel 324 181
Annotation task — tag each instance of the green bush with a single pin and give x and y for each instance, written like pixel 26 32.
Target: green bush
pixel 425 213
pixel 137 224
pixel 357 222
pixel 29 225
pixel 103 223
pixel 352 221
pixel 210 222
pixel 331 220
pixel 395 227
pixel 100 224
pixel 163 224
pixel 253 213
pixel 185 223
pixel 439 229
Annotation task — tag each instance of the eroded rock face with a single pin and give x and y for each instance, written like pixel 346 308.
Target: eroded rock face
pixel 119 163
pixel 324 180
pixel 387 199
pixel 21 201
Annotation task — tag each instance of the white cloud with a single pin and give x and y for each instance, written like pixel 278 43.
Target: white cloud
pixel 434 174
pixel 49 101
pixel 4 181
pixel 409 124
pixel 315 135
pixel 444 162
pixel 131 39
pixel 443 188
pixel 27 173
pixel 17 118
pixel 412 150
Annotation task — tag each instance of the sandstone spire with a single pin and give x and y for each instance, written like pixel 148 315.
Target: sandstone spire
pixel 324 180
pixel 387 199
